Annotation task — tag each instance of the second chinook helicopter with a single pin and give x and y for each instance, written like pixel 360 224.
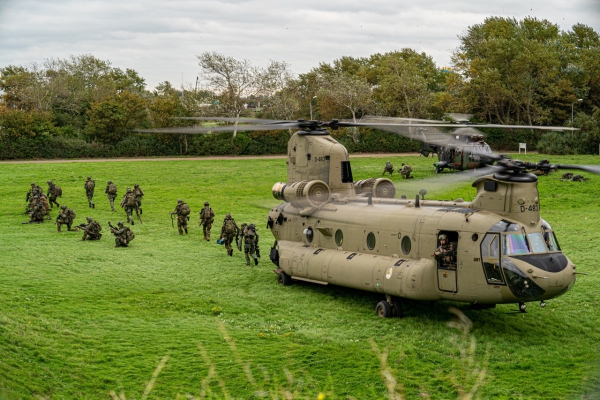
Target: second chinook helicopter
pixel 463 148
pixel 331 229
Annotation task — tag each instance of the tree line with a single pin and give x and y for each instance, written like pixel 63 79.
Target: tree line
pixel 504 71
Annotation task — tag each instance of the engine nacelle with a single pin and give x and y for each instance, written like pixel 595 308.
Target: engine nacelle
pixel 378 187
pixel 303 194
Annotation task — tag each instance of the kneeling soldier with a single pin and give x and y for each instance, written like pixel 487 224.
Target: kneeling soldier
pixel 123 235
pixel 91 230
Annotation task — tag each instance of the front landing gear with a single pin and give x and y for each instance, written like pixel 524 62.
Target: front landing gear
pixel 389 308
pixel 523 307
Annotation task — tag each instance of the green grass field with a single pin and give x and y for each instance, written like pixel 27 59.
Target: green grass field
pixel 173 317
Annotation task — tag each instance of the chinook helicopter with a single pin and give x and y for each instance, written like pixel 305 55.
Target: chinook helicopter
pixel 330 229
pixel 462 149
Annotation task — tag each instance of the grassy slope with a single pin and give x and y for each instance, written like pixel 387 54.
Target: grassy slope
pixel 82 319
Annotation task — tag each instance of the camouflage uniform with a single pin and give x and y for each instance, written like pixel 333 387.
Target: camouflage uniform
pixel 182 210
pixel 89 186
pixel 207 217
pixel 388 168
pixel 123 235
pixel 129 205
pixel 35 190
pixel 250 239
pixel 446 253
pixel 229 230
pixel 111 193
pixel 45 205
pixel 578 178
pixel 37 211
pixel 52 193
pixel 405 171
pixel 139 193
pixel 91 230
pixel 566 176
pixel 66 217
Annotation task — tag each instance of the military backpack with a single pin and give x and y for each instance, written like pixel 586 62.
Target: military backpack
pixel 184 209
pixel 230 225
pixel 112 188
pixel 130 235
pixel 90 185
pixel 57 191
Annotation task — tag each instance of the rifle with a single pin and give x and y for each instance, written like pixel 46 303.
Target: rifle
pixel 81 226
pixel 172 225
pixel 238 242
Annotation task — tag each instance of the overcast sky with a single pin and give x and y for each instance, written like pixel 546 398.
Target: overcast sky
pixel 160 39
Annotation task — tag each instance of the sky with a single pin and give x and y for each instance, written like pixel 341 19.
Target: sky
pixel 161 39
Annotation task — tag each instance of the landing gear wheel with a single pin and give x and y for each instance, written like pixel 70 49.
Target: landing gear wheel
pixel 522 307
pixel 438 170
pixel 383 309
pixel 284 279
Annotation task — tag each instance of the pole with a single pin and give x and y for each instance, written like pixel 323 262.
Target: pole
pixel 311 100
pixel 572 106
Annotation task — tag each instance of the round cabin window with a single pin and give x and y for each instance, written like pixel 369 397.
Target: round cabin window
pixel 339 237
pixel 371 240
pixel 406 245
pixel 308 233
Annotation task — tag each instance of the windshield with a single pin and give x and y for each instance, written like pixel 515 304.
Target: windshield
pixel 537 243
pixel 515 244
pixel 551 241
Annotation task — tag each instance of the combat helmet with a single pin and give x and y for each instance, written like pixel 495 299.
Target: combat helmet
pixel 89 219
pixel 180 200
pixel 228 216
pixel 443 236
pixel 109 182
pixel 120 223
pixel 206 203
pixel 63 207
pixel 49 181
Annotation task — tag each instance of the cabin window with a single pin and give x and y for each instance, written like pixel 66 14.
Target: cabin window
pixel 309 234
pixel 371 240
pixel 490 257
pixel 537 243
pixel 405 244
pixel 339 237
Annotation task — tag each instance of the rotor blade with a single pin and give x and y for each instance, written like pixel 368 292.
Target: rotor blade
pixel 228 119
pixel 224 128
pixel 398 120
pixel 383 126
pixel 595 169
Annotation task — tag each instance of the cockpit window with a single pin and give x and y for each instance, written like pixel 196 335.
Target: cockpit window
pixel 537 243
pixel 505 226
pixel 515 244
pixel 551 241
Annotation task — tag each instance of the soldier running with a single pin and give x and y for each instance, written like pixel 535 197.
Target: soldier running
pixel 52 193
pixel 250 239
pixel 129 205
pixel 89 191
pixel 207 217
pixel 111 193
pixel 139 193
pixel 229 230
pixel 182 210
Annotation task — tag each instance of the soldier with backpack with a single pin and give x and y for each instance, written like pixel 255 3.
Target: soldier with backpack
pixel 389 168
pixel 89 190
pixel 229 230
pixel 66 217
pixel 54 191
pixel 129 205
pixel 111 193
pixel 405 171
pixel 207 217
pixel 250 239
pixel 123 235
pixel 182 210
pixel 139 193
pixel 91 230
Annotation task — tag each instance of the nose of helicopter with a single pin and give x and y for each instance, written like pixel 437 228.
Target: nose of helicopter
pixel 539 278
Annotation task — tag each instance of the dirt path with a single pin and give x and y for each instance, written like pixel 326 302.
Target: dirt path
pixel 92 160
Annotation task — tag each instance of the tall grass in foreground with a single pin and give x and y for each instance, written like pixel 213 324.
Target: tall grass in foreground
pixel 174 317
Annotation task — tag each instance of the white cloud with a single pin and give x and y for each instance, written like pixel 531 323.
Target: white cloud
pixel 160 39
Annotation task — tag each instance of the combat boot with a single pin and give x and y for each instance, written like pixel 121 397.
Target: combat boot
pixel 185 229
pixel 93 205
pixel 140 211
pixel 256 261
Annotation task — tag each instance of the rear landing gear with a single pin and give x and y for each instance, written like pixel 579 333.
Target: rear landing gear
pixel 523 307
pixel 284 279
pixel 389 308
pixel 383 309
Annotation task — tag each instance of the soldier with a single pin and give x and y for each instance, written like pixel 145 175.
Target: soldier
pixel 123 235
pixel 66 217
pixel 53 192
pixel 45 206
pixel 405 171
pixel 89 190
pixel 566 176
pixel 578 178
pixel 111 193
pixel 229 230
pixel 182 210
pixel 36 211
pixel 35 190
pixel 129 205
pixel 250 239
pixel 388 168
pixel 91 230
pixel 138 196
pixel 207 217
pixel 446 252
